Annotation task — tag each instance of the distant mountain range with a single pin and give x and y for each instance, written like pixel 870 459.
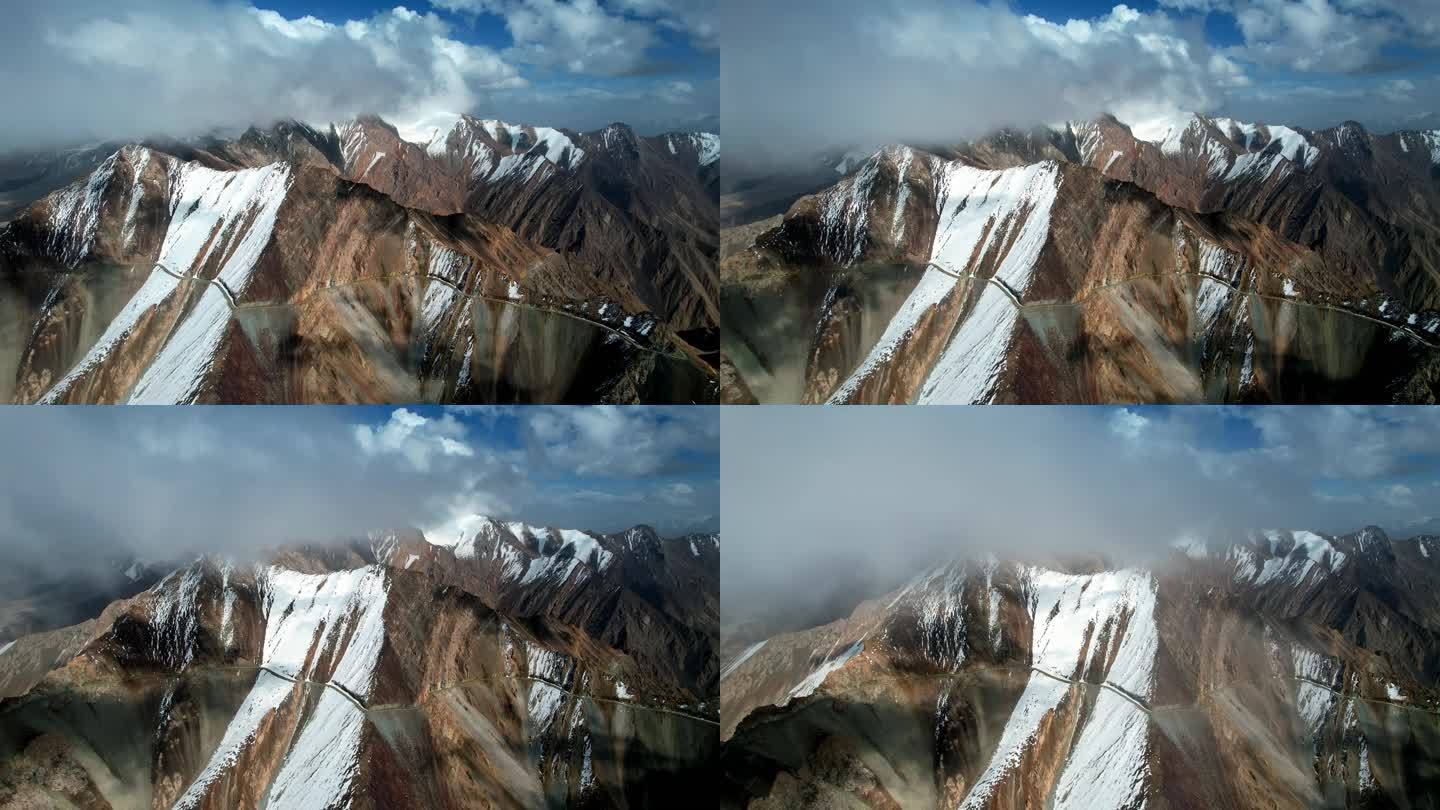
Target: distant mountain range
pixel 510 666
pixel 1197 259
pixel 1283 669
pixel 492 262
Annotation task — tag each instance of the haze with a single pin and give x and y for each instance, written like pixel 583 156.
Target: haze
pixel 80 484
pixel 802 77
pixel 859 497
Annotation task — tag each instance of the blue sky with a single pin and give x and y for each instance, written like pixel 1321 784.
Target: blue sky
pixel 136 68
pixel 169 480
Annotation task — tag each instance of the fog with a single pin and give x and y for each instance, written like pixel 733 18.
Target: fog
pixel 868 497
pixel 79 485
pixel 85 71
pixel 797 77
pixel 801 78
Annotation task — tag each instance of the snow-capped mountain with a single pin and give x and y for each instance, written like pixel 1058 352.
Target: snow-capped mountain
pixel 493 262
pixel 371 674
pixel 1194 259
pixel 1286 669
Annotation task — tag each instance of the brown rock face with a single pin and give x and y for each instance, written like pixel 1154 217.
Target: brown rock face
pixel 1235 675
pixel 368 675
pixel 1221 263
pixel 642 213
pixel 166 280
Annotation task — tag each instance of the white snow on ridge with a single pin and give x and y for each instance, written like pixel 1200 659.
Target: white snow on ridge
pixel 1069 608
pixel 233 213
pixel 813 681
pixel 1191 546
pixel 1109 765
pixel 1166 131
pixel 845 214
pixel 551 143
pixel 6 646
pixel 1296 554
pixel 1316 667
pixel 586 548
pixel 320 768
pixel 1314 704
pixel 179 370
pixel 175 617
pixel 264 698
pixel 140 159
pixel 902 194
pixel 439 299
pixel 156 289
pixel 543 705
pixel 1009 211
pixel 339 613
pixel 733 665
pixel 979 212
pixel 1041 696
pixel 448 264
pixel 548 664
pixel 75 213
pixel 706 145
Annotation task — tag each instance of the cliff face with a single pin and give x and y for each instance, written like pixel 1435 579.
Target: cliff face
pixel 365 678
pixel 1285 670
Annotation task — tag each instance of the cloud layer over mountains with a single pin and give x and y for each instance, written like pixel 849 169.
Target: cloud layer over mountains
pixel 836 493
pixel 84 70
pixel 802 76
pixel 81 483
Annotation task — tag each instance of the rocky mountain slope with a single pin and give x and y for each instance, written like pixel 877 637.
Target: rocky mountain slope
pixel 1219 261
pixel 369 674
pixel 1283 669
pixel 297 265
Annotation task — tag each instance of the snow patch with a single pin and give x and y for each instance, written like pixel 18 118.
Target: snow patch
pixel 321 766
pixel 742 658
pixel 315 617
pixel 813 681
pixel 980 212
pixel 264 698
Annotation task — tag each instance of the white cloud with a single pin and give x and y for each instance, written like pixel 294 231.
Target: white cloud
pixel 677 494
pixel 181 67
pixel 1128 424
pixel 807 76
pixel 1325 36
pixel 415 438
pixel 1398 495
pixel 619 441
